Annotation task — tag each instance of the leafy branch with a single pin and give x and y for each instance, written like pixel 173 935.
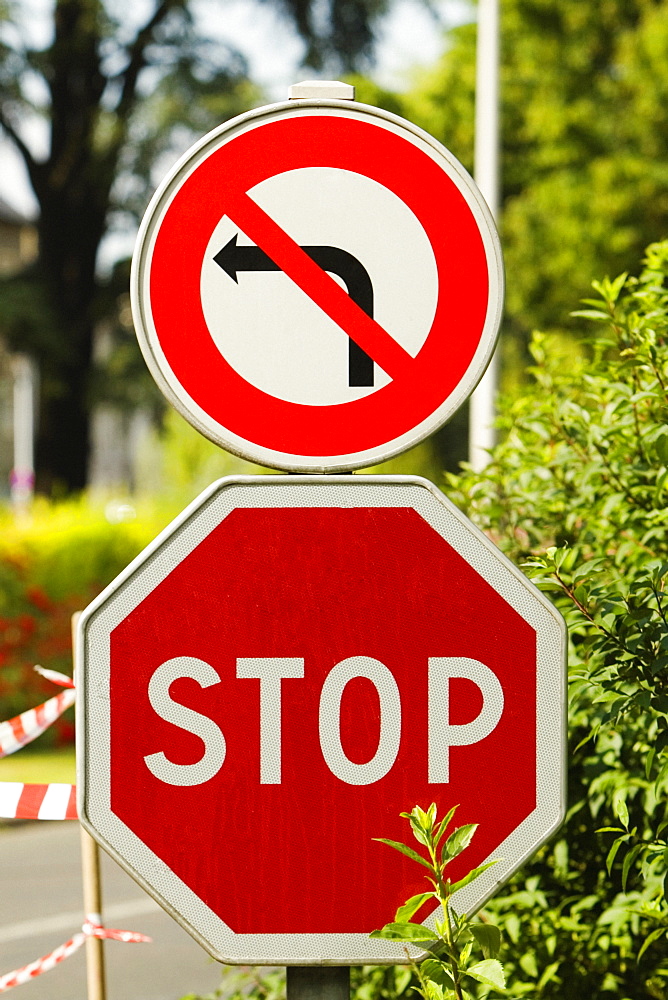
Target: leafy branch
pixel 444 975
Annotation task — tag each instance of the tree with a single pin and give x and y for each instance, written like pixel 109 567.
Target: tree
pixel 584 150
pixel 114 98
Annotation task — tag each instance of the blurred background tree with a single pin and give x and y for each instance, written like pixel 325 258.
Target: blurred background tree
pixel 584 119
pixel 116 93
pixel 584 165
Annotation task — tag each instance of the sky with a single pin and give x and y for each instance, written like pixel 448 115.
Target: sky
pixel 410 37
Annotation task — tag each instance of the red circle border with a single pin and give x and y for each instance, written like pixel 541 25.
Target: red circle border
pixel 205 196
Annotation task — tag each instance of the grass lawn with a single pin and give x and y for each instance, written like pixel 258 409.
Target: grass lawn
pixel 39 766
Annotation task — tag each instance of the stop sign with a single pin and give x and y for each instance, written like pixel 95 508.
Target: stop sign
pixel 290 665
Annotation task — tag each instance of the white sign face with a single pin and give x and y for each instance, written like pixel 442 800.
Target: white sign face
pixel 305 357
pixel 291 665
pixel 317 285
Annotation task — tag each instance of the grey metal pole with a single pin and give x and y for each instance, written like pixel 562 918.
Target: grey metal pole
pixel 486 174
pixel 318 982
pixel 23 473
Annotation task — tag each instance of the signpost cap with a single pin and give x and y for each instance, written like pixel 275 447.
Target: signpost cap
pixel 321 90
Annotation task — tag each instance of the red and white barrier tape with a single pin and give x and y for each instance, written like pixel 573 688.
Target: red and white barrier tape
pixel 53 801
pixel 21 801
pixel 55 676
pixel 27 726
pixel 90 928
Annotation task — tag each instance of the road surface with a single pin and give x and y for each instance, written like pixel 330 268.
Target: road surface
pixel 41 907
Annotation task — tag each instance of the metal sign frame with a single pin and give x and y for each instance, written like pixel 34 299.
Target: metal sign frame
pixel 161 557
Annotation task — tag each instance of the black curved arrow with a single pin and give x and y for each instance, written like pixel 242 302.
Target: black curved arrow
pixel 233 258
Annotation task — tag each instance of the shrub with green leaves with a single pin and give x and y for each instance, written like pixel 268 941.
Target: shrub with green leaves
pixel 576 495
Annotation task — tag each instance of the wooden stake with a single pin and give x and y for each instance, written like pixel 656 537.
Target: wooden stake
pixel 92 889
pixel 90 869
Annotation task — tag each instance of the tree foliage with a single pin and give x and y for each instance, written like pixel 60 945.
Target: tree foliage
pixel 116 93
pixel 583 120
pixel 576 494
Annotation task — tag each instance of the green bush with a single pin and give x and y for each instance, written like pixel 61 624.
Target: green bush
pixel 51 565
pixel 576 495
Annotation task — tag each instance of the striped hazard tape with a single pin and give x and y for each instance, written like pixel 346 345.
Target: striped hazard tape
pixel 48 962
pixel 21 801
pixel 55 675
pixel 26 727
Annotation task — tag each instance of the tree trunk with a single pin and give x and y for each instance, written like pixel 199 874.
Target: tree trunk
pixel 70 229
pixel 63 429
pixel 72 188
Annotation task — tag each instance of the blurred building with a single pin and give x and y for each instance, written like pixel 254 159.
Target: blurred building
pixel 118 433
pixel 18 249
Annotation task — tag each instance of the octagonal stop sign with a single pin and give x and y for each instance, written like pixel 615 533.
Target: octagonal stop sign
pixel 289 666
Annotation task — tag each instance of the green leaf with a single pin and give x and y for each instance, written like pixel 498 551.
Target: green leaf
pixel 411 906
pixel 443 825
pixel 420 825
pixel 465 953
pixel 612 853
pixel 458 841
pixel 622 812
pixel 441 928
pixel 628 861
pixel 661 448
pixel 404 932
pixel 473 874
pixel 432 969
pixel 488 937
pixel 650 939
pixel 434 990
pixel 404 849
pixel 548 975
pixel 402 978
pixel 489 972
pixel 595 314
pixel 512 927
pixel 529 965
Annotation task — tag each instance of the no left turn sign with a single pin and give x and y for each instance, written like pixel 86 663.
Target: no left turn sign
pixel 317 285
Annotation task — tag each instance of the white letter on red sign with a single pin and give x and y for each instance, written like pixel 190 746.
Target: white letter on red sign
pixel 270 671
pixel 330 720
pixel 185 718
pixel 443 735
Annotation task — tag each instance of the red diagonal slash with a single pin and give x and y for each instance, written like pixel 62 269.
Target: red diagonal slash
pixel 319 286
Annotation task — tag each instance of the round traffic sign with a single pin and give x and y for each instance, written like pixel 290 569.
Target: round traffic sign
pixel 317 286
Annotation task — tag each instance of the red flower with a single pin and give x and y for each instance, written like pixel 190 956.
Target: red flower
pixel 39 598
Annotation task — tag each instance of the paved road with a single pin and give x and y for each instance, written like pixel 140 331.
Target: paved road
pixel 41 907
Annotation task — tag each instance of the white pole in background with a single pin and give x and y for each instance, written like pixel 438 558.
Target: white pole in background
pixel 486 175
pixel 22 478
